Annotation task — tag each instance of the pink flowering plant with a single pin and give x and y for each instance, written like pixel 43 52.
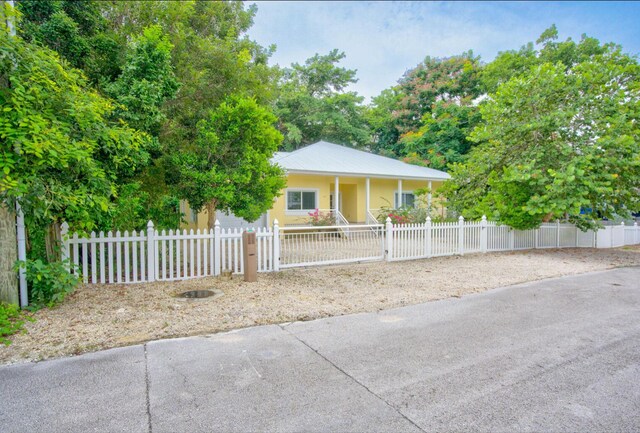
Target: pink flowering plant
pixel 318 218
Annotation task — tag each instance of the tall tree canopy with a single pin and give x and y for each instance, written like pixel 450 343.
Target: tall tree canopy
pixel 62 152
pixel 426 118
pixel 314 104
pixel 558 141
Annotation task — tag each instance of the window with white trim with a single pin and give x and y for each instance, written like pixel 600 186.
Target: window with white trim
pixel 408 199
pixel 302 200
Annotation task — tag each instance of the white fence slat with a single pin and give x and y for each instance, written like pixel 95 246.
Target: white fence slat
pixel 163 252
pixel 102 261
pixel 134 257
pixel 118 247
pixel 85 267
pixel 94 264
pixel 198 254
pixel 125 244
pixel 143 261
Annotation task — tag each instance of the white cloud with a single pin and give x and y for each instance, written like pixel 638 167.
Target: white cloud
pixel 384 39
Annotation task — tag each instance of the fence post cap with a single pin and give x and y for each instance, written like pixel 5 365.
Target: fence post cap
pixel 275 222
pixel 64 226
pixel 635 224
pixel 622 223
pixel 388 220
pixel 217 223
pixel 460 218
pixel 150 224
pixel 484 217
pixel 428 219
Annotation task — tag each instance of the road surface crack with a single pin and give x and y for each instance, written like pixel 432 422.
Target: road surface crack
pixel 147 386
pixel 395 409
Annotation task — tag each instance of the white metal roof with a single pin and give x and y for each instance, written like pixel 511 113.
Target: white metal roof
pixel 333 159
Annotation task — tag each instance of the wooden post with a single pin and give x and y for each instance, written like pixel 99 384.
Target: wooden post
pixel 557 233
pixel 64 247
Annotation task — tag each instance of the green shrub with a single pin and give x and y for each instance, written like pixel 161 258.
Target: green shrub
pixel 49 283
pixel 11 321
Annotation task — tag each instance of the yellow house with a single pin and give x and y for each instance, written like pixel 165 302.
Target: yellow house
pixel 318 173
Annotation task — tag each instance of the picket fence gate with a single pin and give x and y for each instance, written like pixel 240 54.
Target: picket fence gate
pixel 152 255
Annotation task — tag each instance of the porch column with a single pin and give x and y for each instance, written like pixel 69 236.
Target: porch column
pixel 367 188
pixel 336 196
pixel 399 194
pixel 429 198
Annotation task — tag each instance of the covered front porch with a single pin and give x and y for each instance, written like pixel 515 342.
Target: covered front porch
pixel 311 199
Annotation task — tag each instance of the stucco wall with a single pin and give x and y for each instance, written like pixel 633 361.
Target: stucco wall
pixel 8 257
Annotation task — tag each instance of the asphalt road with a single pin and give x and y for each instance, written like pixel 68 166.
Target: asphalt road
pixel 556 355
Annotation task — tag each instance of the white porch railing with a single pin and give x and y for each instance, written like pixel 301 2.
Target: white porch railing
pixel 371 219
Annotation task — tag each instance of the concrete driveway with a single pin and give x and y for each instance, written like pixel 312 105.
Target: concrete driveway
pixel 555 355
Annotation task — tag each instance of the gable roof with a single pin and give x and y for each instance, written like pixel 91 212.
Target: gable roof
pixel 332 159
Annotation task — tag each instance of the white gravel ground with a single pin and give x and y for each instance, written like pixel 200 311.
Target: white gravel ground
pixel 98 317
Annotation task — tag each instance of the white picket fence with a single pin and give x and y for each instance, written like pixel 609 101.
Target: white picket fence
pixel 418 241
pixel 153 255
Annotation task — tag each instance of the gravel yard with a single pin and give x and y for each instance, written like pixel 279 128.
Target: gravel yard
pixel 99 317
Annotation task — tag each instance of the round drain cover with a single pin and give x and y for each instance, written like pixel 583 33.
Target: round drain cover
pixel 196 294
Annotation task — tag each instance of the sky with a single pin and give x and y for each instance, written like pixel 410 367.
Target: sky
pixel 382 40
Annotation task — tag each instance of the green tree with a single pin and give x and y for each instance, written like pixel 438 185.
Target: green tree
pixel 426 117
pixel 442 138
pixel 147 81
pixel 452 79
pixel 78 31
pixel 379 116
pixel 228 166
pixel 313 104
pixel 512 63
pixel 212 58
pixel 61 153
pixel 556 141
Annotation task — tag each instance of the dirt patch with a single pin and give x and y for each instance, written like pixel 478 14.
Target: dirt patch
pixel 104 316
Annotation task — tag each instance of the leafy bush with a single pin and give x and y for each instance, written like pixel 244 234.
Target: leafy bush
pixel 318 218
pixel 11 321
pixel 49 283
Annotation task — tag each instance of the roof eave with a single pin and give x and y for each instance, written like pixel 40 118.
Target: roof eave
pixel 377 176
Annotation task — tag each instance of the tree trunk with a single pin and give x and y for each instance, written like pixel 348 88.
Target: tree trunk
pixel 211 214
pixel 53 241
